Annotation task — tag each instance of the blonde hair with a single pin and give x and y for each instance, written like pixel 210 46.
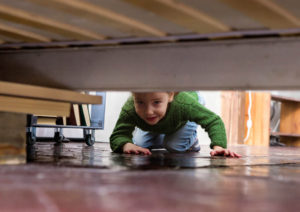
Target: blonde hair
pixel 169 92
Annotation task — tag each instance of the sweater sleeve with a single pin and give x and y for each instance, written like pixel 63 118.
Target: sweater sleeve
pixel 122 132
pixel 211 123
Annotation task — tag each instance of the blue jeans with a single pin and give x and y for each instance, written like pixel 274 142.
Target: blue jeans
pixel 179 141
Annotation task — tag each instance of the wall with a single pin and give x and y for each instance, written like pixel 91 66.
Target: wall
pixel 213 103
pixel 114 103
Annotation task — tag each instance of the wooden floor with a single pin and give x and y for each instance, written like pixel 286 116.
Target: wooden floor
pixel 75 177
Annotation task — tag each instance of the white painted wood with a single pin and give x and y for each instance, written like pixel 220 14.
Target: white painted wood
pixel 234 64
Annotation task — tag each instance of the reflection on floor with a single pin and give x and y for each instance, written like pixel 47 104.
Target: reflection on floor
pixel 75 177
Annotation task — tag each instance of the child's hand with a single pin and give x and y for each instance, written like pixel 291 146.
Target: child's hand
pixel 220 151
pixel 130 148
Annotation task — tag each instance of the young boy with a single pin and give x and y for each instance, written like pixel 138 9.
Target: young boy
pixel 168 120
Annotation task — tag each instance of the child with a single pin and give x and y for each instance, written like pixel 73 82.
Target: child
pixel 168 120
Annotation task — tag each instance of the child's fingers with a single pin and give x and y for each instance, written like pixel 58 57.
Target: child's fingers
pixel 231 154
pixel 237 155
pixel 148 152
pixel 128 151
pixel 216 152
pixel 224 152
pixel 145 151
pixel 234 155
pixel 138 151
pixel 133 151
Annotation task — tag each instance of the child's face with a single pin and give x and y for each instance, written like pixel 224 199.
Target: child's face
pixel 152 107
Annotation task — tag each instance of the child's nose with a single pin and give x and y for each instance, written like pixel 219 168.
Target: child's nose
pixel 149 110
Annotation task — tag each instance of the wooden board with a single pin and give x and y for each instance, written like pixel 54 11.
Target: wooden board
pixel 59 20
pixel 182 14
pixel 233 115
pixel 21 35
pixel 48 120
pixel 12 138
pixel 44 23
pixel 268 13
pixel 221 11
pixel 284 99
pixel 32 106
pixel 38 92
pixel 103 15
pixel 231 65
pixel 260 115
pixel 281 134
pixel 290 122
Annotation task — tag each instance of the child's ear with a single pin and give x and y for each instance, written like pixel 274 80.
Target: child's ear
pixel 171 96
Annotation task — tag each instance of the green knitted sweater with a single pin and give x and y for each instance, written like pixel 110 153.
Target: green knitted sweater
pixel 185 107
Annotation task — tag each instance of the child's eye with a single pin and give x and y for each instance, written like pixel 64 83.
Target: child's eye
pixel 157 102
pixel 140 102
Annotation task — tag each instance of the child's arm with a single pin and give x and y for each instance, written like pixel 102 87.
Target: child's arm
pixel 215 128
pixel 121 135
pixel 130 148
pixel 220 151
pixel 121 140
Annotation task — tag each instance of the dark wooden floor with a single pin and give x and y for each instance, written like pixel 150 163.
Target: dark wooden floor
pixel 75 177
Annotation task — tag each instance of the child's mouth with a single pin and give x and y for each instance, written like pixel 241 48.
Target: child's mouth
pixel 151 119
